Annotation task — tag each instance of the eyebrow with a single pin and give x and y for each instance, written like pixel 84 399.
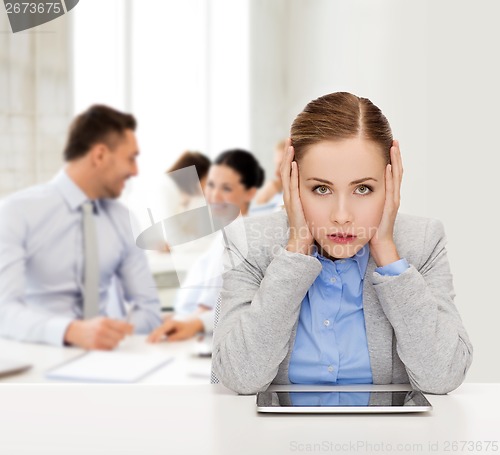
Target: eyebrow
pixel 354 182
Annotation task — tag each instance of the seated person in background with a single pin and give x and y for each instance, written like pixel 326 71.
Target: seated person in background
pixel 270 197
pixel 233 179
pixel 340 289
pixel 190 190
pixel 63 242
pixel 191 185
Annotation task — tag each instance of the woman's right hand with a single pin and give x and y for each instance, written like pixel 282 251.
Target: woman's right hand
pixel 300 239
pixel 174 330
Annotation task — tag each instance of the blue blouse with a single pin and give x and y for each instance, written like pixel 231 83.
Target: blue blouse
pixel 331 345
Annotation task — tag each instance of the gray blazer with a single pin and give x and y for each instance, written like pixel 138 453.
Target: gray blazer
pixel 414 331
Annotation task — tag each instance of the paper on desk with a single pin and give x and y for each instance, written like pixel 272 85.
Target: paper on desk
pixel 98 366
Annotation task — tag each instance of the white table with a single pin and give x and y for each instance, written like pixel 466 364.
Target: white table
pixel 208 419
pixel 160 417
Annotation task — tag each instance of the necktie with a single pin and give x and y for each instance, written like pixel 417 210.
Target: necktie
pixel 91 258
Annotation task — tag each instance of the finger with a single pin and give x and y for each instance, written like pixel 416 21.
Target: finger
pixel 285 173
pixel 106 342
pixel 159 333
pixel 119 332
pixel 398 147
pixel 294 181
pixel 110 336
pixel 397 171
pixel 397 164
pixel 388 204
pixel 283 164
pixel 121 327
pixel 179 336
pixel 183 332
pixel 389 187
pixel 155 336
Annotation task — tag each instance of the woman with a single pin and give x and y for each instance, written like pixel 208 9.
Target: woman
pixel 189 188
pixel 232 182
pixel 189 174
pixel 341 289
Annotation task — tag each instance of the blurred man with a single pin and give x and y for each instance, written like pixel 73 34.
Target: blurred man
pixel 66 243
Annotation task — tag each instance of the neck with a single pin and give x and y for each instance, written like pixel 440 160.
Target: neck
pixel 244 209
pixel 83 178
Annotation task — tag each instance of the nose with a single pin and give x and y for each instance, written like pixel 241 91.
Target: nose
pixel 341 213
pixel 215 196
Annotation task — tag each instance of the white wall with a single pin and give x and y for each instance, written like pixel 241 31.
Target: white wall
pixel 432 67
pixel 35 102
pixel 269 121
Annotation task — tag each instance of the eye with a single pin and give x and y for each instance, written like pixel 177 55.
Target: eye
pixel 321 190
pixel 363 189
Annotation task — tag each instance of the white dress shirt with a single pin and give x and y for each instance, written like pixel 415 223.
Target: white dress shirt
pixel 204 281
pixel 42 263
pixel 202 286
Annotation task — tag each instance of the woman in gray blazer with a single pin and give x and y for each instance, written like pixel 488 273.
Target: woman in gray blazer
pixel 340 288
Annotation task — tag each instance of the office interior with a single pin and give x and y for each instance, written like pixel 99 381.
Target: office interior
pixel 222 74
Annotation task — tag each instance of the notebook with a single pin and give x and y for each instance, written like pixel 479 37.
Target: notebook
pixel 109 367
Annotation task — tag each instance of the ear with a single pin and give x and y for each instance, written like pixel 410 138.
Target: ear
pixel 98 154
pixel 250 194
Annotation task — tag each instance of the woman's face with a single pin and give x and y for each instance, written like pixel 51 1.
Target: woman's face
pixel 224 187
pixel 342 190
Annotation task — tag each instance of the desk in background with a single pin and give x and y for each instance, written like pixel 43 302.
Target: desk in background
pixel 184 369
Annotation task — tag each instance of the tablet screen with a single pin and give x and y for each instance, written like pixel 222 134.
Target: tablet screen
pixel 341 399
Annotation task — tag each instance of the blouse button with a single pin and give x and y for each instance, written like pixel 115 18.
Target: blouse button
pixel 330 368
pixel 326 322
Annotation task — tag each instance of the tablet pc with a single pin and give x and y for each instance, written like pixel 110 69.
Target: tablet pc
pixel 342 402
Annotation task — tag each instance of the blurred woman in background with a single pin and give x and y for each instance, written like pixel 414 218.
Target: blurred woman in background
pixel 189 174
pixel 190 189
pixel 232 182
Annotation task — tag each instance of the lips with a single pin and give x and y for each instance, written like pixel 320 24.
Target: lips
pixel 342 238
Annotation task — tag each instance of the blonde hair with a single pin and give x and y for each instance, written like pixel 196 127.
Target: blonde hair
pixel 340 115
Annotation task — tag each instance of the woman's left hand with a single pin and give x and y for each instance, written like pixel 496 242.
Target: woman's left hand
pixel 382 246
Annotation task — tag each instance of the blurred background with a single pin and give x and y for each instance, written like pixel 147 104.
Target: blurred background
pixel 211 75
